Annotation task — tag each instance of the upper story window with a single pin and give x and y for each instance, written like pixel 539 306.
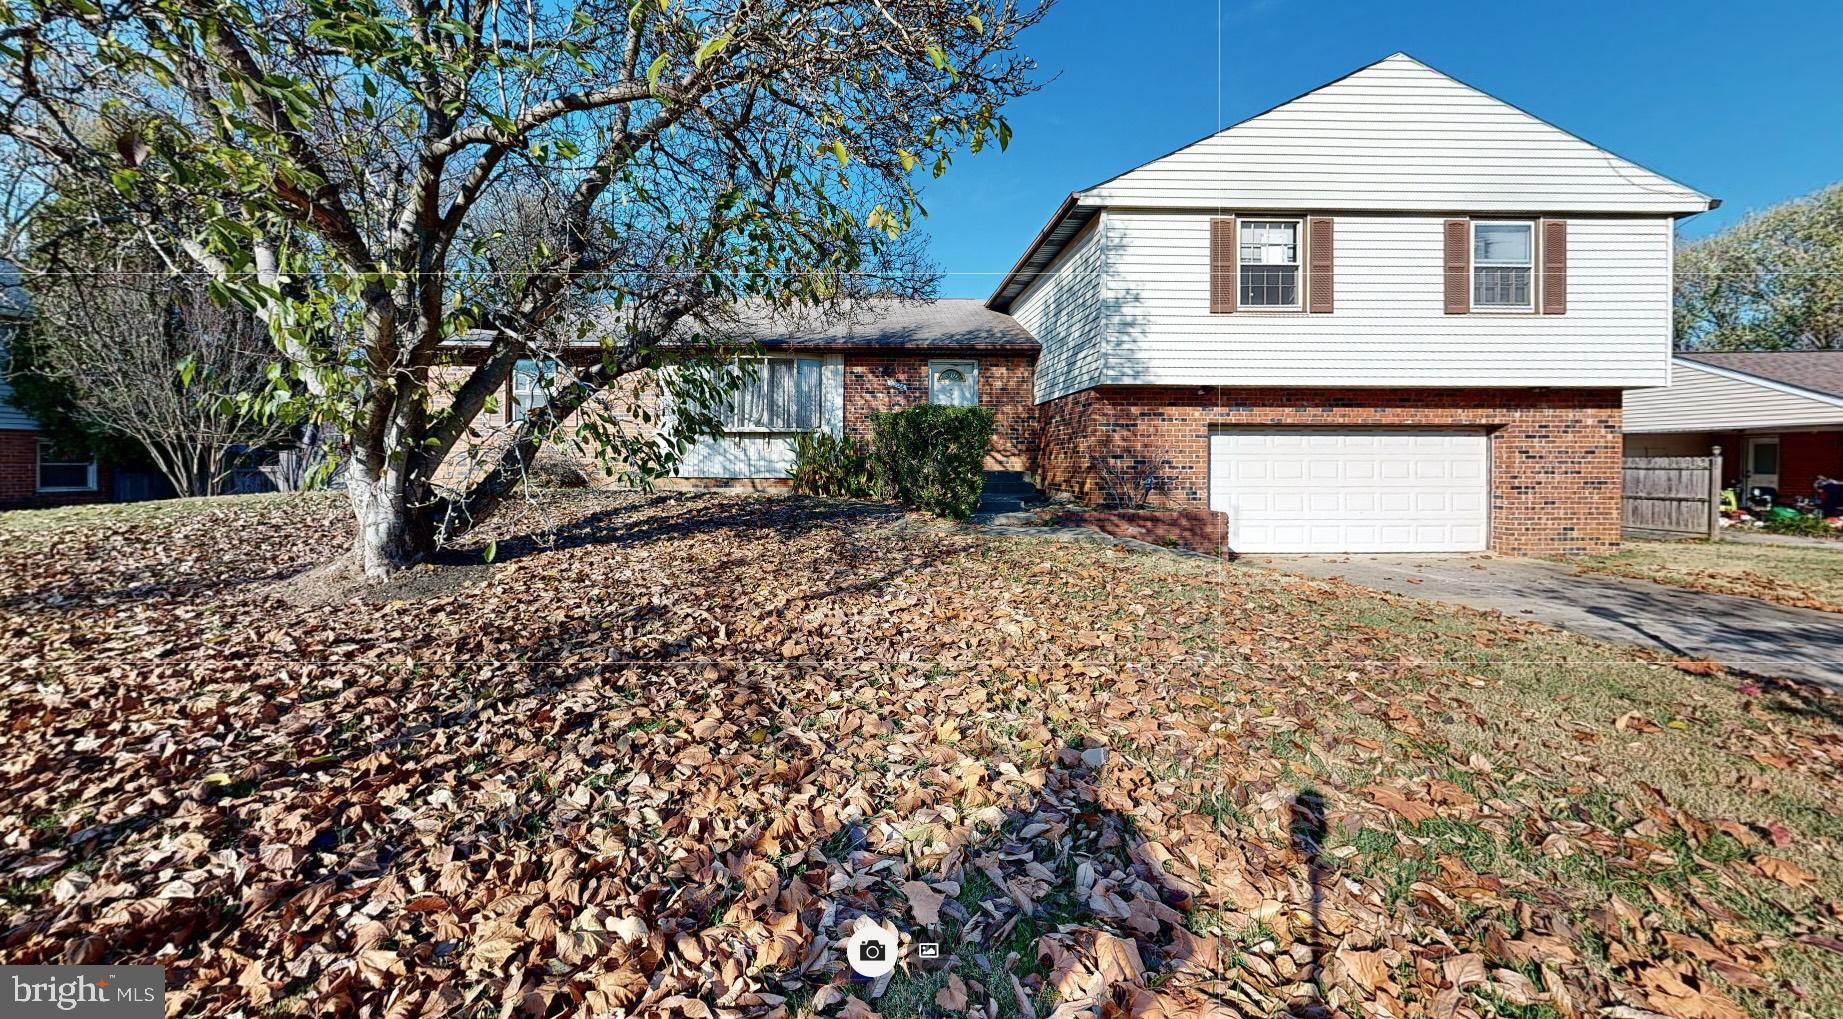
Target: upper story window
pixel 777 394
pixel 1269 263
pixel 1503 262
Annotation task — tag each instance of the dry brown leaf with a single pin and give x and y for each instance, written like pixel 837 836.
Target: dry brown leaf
pixel 952 995
pixel 924 902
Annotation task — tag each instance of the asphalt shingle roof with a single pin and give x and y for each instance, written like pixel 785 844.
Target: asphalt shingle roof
pixel 946 324
pixel 1820 371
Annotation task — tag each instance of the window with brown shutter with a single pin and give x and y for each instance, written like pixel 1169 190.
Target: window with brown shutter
pixel 1554 267
pixel 1319 285
pixel 1221 266
pixel 1458 265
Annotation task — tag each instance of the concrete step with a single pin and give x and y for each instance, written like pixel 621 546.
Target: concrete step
pixel 1008 492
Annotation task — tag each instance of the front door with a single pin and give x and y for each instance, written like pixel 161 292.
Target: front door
pixel 1763 462
pixel 953 383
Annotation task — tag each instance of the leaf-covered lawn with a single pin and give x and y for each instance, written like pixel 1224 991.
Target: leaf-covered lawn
pixel 664 765
pixel 1802 576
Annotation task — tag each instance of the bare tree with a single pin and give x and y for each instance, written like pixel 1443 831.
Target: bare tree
pixel 150 357
pixel 351 166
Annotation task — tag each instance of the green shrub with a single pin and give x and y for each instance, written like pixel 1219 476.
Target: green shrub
pixel 932 458
pixel 838 466
pixel 1805 525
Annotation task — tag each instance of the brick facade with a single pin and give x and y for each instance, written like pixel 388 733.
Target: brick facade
pixel 1204 531
pixel 19 476
pixel 887 382
pixel 1805 455
pixel 1555 454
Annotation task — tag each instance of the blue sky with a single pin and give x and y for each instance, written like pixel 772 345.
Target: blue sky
pixel 1741 101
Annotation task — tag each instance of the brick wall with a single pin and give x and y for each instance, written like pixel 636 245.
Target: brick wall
pixel 19 476
pixel 1805 455
pixel 1004 386
pixel 1555 454
pixel 1198 530
pixel 487 437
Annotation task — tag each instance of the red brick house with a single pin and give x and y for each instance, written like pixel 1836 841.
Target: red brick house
pixel 33 470
pixel 1776 416
pixel 1394 314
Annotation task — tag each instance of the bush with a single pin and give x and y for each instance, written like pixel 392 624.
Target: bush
pixel 554 468
pixel 1805 525
pixel 932 458
pixel 826 464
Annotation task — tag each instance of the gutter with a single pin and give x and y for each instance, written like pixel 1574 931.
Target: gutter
pixel 1055 220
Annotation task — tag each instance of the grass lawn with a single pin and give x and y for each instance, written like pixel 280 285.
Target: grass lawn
pixel 1804 576
pixel 664 761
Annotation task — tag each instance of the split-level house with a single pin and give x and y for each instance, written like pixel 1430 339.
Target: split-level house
pixel 1394 314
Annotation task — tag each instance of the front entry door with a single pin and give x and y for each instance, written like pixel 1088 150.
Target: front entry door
pixel 1763 462
pixel 953 383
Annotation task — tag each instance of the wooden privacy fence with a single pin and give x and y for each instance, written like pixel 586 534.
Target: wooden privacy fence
pixel 1673 496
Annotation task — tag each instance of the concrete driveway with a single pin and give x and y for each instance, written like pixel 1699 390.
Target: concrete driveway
pixel 1741 633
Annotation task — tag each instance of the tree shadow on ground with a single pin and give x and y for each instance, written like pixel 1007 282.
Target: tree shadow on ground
pixel 669 515
pixel 1062 901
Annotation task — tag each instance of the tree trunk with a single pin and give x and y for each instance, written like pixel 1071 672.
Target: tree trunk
pixel 391 533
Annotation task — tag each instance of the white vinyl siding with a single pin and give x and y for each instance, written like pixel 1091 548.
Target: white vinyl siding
pixel 1062 309
pixel 1390 326
pixel 1397 135
pixel 1323 490
pixel 1700 400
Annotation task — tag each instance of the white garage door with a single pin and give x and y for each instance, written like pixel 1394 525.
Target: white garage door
pixel 1365 490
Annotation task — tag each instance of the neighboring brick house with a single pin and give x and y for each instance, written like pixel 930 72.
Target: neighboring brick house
pixel 33 471
pixel 1776 416
pixel 1394 314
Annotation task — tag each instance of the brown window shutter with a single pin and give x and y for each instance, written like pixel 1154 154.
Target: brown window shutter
pixel 1319 286
pixel 1554 267
pixel 1458 266
pixel 1221 266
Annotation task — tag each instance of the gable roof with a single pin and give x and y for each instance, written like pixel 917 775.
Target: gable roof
pixel 1395 135
pixel 946 324
pixel 1817 371
pixel 942 324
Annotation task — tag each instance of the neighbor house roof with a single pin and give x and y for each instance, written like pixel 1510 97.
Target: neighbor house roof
pixel 1742 391
pixel 1820 371
pixel 1394 136
pixel 15 303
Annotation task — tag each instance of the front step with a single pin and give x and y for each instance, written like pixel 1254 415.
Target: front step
pixel 1007 492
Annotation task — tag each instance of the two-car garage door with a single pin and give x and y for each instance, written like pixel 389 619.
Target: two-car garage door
pixel 1352 490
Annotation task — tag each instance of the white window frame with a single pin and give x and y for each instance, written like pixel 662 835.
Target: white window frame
pixel 38 472
pixel 968 368
pixel 755 378
pixel 1472 257
pixel 543 373
pixel 1297 264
